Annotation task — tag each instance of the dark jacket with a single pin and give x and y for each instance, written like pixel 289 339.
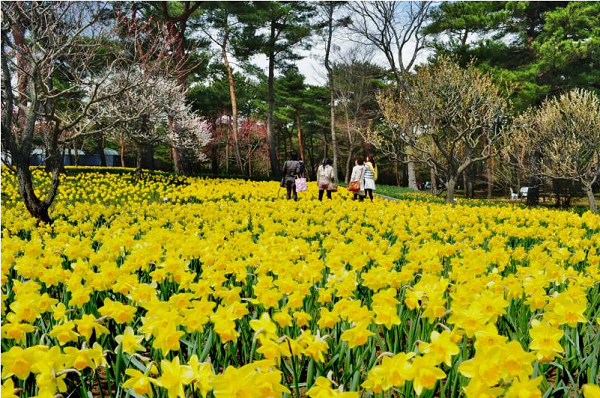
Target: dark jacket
pixel 291 170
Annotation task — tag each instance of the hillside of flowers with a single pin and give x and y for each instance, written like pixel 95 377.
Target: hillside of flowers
pixel 190 287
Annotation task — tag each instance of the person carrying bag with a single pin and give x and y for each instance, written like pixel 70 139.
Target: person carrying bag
pixel 326 179
pixel 292 170
pixel 357 184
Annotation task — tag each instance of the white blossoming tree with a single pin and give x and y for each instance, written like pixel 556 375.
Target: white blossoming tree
pixel 141 115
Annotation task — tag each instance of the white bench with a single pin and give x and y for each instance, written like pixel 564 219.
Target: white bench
pixel 513 195
pixel 523 192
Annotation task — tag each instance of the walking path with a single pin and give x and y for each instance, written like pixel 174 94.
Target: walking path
pixel 386 197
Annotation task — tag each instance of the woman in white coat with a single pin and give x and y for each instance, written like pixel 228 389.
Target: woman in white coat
pixel 358 174
pixel 326 179
pixel 370 176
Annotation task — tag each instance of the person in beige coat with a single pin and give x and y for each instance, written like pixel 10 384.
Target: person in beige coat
pixel 358 174
pixel 326 179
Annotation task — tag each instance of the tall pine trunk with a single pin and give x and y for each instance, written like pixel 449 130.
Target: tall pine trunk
pixel 330 9
pixel 271 103
pixel 300 140
pixel 234 110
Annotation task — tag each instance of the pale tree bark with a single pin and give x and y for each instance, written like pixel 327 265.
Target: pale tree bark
pixel 412 178
pixel 591 198
pixel 433 177
pixel 330 7
pixel 223 44
pixel 393 28
pixel 450 185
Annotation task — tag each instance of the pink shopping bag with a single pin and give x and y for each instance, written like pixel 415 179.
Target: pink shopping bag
pixel 300 184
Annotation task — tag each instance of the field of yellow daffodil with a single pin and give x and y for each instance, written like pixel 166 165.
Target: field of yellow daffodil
pixel 181 287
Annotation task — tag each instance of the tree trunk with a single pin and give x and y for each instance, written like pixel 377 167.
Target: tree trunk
pixel 300 140
pixel 71 155
pixel 227 152
pixel 490 177
pixel 412 178
pixel 330 9
pixel 101 151
pixel 533 193
pixel 591 198
pixel 33 204
pixel 122 144
pixel 349 165
pixel 138 163
pixel 450 184
pixel 150 156
pixel 234 110
pixel 215 159
pixel 433 177
pixel 397 172
pixel 271 103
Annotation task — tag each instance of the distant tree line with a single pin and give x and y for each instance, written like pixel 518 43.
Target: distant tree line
pixel 178 82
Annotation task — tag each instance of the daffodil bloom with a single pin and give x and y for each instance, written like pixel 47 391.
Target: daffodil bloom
pixel 167 339
pixel 87 324
pixel 17 361
pixel 545 340
pixel 139 382
pixel 322 389
pixel 84 358
pixel 477 389
pixel 283 318
pixel 484 366
pixel 441 347
pixel 202 374
pixel 591 391
pixel 302 318
pixel 64 333
pixel 264 327
pixel 315 347
pixel 426 374
pixel 129 341
pixel 174 376
pixel 525 388
pixel 399 369
pixel 327 319
pixel 8 389
pixel 16 331
pixel 357 335
pixel 121 313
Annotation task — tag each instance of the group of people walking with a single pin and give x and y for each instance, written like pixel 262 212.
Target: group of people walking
pixel 362 179
pixel 364 175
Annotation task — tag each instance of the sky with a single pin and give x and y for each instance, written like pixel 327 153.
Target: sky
pixel 312 63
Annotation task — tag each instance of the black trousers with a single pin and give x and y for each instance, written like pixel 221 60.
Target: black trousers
pixel 291 190
pixel 360 197
pixel 321 194
pixel 369 193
